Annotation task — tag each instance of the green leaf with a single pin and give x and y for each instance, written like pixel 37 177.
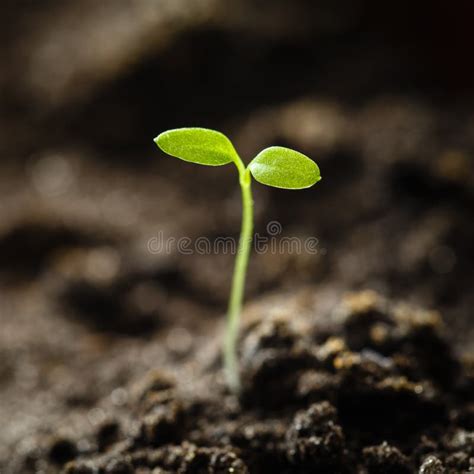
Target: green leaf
pixel 284 168
pixel 197 145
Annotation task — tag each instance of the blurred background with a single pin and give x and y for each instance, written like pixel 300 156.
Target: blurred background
pixel 380 94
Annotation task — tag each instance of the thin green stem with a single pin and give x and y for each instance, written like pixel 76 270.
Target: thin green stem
pixel 238 280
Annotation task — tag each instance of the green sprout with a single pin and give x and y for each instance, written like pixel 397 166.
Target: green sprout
pixel 276 166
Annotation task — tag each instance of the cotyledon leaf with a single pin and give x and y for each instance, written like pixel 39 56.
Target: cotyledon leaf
pixel 197 145
pixel 284 168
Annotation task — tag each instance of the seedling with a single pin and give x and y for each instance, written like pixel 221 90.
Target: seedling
pixel 276 166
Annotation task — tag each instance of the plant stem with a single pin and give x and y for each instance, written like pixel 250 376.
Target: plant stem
pixel 238 281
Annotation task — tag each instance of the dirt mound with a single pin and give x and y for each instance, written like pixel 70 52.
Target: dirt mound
pixel 372 387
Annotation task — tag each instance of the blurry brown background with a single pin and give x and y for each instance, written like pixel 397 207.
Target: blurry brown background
pixel 378 93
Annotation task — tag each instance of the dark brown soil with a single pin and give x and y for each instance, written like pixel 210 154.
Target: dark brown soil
pixel 370 387
pixel 356 359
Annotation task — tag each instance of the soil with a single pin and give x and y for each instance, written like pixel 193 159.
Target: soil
pixel 370 386
pixel 357 358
